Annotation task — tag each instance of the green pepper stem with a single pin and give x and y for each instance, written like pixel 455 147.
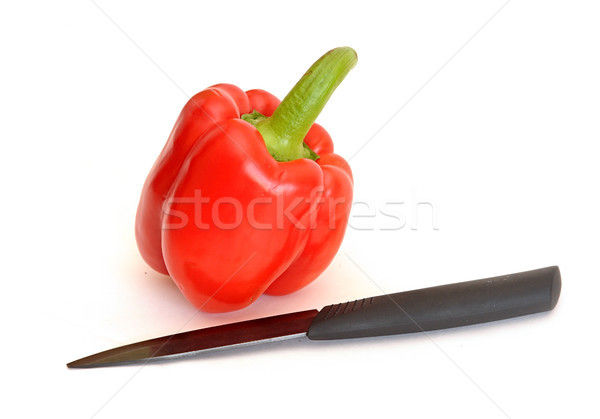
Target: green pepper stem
pixel 285 130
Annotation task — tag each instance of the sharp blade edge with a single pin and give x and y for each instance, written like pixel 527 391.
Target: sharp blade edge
pixel 250 332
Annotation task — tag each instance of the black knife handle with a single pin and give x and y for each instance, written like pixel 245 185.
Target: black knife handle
pixel 441 307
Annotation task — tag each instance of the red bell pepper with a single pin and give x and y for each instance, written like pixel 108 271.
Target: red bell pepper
pixel 247 196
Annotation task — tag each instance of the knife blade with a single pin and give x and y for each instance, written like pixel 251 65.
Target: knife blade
pixel 422 310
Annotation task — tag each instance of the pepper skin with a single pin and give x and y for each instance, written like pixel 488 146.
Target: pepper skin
pixel 231 211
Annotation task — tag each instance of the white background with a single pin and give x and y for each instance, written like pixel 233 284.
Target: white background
pixel 487 110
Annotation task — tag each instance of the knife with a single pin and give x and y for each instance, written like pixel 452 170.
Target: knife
pixel 440 307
